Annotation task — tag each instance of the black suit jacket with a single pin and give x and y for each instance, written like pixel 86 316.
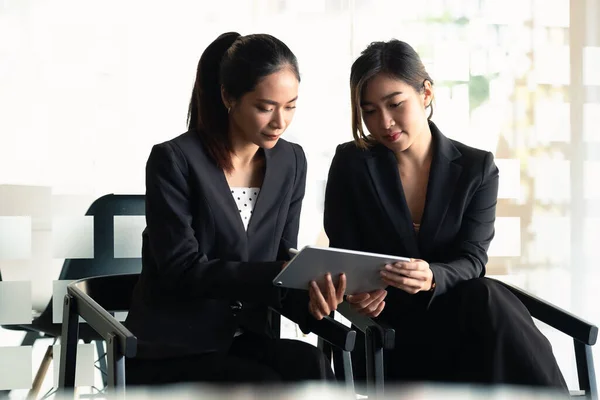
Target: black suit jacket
pixel 365 210
pixel 199 263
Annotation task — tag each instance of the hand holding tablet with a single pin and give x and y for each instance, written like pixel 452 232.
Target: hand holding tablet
pixel 362 269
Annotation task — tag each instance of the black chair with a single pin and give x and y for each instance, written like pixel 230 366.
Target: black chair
pixel 103 210
pixel 380 337
pixel 93 298
pixel 583 333
pixel 377 337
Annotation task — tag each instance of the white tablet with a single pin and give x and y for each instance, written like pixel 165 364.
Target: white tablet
pixel 312 263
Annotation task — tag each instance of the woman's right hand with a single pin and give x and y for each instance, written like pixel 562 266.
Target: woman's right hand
pixel 370 304
pixel 324 302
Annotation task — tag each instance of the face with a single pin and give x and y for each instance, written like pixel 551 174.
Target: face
pixel 262 115
pixel 394 112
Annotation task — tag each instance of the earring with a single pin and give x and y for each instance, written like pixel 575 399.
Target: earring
pixel 228 110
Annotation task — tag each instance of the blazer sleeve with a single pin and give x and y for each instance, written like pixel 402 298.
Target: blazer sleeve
pixel 182 266
pixel 339 217
pixel 475 235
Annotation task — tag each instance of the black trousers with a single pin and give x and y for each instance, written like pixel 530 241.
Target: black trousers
pixel 477 332
pixel 252 359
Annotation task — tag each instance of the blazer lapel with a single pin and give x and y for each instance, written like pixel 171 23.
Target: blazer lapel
pixel 225 198
pixel 443 176
pixel 269 196
pixel 383 170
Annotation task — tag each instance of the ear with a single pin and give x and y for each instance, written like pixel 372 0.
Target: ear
pixel 427 93
pixel 227 102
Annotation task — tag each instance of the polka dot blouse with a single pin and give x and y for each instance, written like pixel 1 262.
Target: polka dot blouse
pixel 245 198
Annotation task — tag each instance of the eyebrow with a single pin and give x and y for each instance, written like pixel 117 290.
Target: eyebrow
pixel 384 98
pixel 274 103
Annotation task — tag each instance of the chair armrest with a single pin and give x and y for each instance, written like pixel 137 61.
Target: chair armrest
pixel 328 329
pixel 102 322
pixel 556 317
pixel 386 332
pixel 334 332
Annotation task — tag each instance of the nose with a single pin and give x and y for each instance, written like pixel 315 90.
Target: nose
pixel 277 122
pixel 386 120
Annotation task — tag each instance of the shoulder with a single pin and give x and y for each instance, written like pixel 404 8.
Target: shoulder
pixel 471 155
pixel 350 148
pixel 350 151
pixel 181 150
pixel 292 152
pixel 188 145
pixel 289 148
pixel 175 156
pixel 350 158
pixel 470 158
pixel 478 165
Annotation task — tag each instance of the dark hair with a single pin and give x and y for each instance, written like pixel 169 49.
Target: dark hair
pixel 237 63
pixel 394 58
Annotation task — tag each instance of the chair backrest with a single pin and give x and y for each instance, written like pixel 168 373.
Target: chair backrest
pixel 111 292
pixel 104 209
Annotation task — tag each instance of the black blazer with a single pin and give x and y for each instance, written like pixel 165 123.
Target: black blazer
pixel 365 210
pixel 204 276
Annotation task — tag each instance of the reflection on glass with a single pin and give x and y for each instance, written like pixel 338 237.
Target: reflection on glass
pixel 591 133
pixel 15 302
pixel 84 370
pixel 591 66
pixel 552 65
pixel 507 241
pixel 510 178
pixel 15 368
pixel 73 237
pixel 15 238
pixel 591 177
pixel 128 235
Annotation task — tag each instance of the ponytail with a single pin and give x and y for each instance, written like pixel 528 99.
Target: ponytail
pixel 207 113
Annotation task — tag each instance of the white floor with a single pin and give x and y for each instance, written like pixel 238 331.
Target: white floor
pixel 562 345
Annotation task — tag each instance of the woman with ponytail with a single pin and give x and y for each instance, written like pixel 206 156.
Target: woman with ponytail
pixel 223 206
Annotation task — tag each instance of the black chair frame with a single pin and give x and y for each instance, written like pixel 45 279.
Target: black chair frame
pixel 380 337
pixel 92 298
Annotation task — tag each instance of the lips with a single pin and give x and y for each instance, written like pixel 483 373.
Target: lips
pixel 392 137
pixel 271 137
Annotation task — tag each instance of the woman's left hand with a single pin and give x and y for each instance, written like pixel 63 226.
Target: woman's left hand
pixel 412 277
